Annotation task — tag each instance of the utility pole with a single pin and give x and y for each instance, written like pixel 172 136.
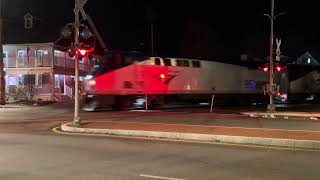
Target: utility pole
pixel 2 84
pixel 271 90
pixel 76 119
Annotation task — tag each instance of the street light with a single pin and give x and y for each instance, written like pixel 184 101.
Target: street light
pixel 272 17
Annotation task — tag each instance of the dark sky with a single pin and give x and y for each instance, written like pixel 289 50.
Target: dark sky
pixel 207 29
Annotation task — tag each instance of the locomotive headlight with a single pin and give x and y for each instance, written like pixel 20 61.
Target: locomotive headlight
pixel 92 82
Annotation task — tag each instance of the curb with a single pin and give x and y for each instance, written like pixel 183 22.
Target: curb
pixel 287 143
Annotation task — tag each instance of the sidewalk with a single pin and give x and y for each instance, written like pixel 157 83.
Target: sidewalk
pixel 298 139
pixel 285 114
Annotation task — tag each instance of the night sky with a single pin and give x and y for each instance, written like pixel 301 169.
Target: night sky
pixel 199 29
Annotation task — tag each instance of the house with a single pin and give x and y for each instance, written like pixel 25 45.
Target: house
pixel 36 61
pixel 40 71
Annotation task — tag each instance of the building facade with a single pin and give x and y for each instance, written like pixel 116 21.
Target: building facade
pixel 41 72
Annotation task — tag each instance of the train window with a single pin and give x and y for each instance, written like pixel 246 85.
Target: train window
pixel 185 63
pixel 196 64
pixel 167 62
pixel 179 63
pixel 182 63
pixel 157 61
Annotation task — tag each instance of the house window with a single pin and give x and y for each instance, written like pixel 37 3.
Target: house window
pixel 39 57
pixel 28 21
pixel 56 53
pixel 12 81
pixel 29 79
pixel 20 80
pixel 20 57
pixel 39 80
pixel 56 81
pixel 5 59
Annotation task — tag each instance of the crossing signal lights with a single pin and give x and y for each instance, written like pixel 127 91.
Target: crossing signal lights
pixel 80 52
pixel 276 68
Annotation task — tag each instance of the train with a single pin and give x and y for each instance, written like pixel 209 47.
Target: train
pixel 125 79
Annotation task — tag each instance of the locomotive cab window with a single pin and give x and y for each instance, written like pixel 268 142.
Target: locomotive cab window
pixel 167 62
pixel 196 64
pixel 157 61
pixel 185 63
pixel 182 63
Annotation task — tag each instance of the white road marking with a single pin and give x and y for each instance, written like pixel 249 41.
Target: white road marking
pixel 159 177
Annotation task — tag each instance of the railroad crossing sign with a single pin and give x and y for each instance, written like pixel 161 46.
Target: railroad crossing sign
pixel 278 52
pixel 79 7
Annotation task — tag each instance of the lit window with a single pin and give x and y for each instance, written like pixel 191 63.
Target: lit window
pixel 12 81
pixel 20 57
pixel 56 81
pixel 56 53
pixel 39 57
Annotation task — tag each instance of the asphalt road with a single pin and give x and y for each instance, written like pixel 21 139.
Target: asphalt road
pixel 38 156
pixel 31 151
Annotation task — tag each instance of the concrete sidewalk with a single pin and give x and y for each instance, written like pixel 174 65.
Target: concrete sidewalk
pixel 284 114
pixel 298 139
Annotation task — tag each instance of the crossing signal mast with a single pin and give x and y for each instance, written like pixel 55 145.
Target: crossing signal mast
pixel 271 90
pixel 78 50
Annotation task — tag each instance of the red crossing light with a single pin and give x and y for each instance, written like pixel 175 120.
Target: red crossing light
pixel 279 68
pixel 85 52
pixel 82 52
pixel 265 69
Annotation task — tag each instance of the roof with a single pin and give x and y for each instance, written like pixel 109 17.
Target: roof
pixel 306 59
